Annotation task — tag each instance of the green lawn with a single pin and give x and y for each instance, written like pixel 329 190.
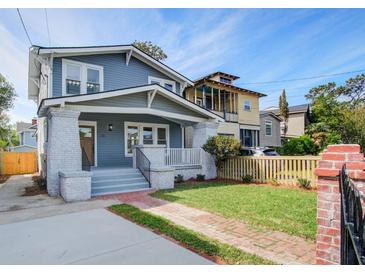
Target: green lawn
pixel 289 210
pixel 188 238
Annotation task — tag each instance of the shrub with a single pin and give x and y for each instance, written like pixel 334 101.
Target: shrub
pixel 40 182
pixel 274 182
pixel 222 147
pixel 247 179
pixel 200 177
pixel 179 178
pixel 302 145
pixel 304 183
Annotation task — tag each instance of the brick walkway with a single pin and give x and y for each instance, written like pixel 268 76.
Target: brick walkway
pixel 273 245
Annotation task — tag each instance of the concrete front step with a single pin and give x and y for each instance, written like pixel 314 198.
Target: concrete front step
pixel 116 180
pixel 111 182
pixel 112 177
pixel 95 191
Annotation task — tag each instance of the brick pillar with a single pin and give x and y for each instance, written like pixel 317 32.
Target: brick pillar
pixel 328 197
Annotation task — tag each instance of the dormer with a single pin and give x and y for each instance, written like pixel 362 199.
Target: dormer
pixel 222 77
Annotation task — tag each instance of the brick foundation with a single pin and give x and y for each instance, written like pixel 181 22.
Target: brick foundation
pixel 328 197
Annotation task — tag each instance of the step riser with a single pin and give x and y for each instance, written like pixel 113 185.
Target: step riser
pixel 115 173
pixel 117 183
pixel 116 189
pixel 115 178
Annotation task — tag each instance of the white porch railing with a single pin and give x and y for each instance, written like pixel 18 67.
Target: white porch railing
pixel 183 156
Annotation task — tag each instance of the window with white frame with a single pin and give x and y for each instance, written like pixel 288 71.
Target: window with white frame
pixel 268 128
pixel 144 134
pixel 167 84
pixel 247 105
pixel 81 78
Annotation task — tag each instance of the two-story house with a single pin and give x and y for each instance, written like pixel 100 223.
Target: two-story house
pixel 118 112
pixel 27 136
pixel 297 121
pixel 239 107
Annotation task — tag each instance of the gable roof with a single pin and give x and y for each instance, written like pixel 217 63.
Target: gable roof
pixel 233 77
pixel 22 126
pixel 270 113
pixel 293 109
pixel 36 51
pixel 48 102
pixel 206 80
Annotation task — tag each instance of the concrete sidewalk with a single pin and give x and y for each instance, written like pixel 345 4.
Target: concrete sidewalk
pixel 88 237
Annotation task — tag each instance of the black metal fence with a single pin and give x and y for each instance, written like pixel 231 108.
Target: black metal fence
pixel 143 164
pixel 86 164
pixel 352 222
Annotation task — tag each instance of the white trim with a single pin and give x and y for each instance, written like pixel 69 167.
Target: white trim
pixel 140 126
pixel 83 75
pixel 95 125
pixel 127 110
pixel 268 122
pixel 150 97
pixel 162 82
pixel 160 90
pixel 128 56
pixel 59 52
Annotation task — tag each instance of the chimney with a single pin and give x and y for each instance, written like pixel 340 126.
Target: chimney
pixel 34 121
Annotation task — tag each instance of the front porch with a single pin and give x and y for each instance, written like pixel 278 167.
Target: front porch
pixel 101 136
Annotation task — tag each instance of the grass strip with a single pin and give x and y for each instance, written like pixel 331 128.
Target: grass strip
pixel 218 252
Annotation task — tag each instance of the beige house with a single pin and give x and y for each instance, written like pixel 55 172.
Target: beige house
pixel 297 122
pixel 238 106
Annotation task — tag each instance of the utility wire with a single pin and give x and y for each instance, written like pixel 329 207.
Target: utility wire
pixel 25 29
pixel 301 79
pixel 49 36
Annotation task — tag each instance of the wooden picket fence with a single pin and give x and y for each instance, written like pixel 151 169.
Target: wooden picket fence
pixel 284 170
pixel 13 163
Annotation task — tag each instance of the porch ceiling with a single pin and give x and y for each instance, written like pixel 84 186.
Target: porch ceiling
pixel 149 99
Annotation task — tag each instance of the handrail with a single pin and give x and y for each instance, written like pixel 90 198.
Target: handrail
pixel 183 156
pixel 143 164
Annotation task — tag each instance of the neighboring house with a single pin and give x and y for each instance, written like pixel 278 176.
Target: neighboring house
pixel 297 122
pixel 238 106
pixel 27 136
pixel 270 129
pixel 113 109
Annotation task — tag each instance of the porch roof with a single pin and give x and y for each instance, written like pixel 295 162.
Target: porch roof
pixel 95 103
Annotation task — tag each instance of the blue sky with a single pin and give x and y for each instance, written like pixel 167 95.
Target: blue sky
pixel 256 44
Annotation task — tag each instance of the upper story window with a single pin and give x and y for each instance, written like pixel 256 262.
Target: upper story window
pixel 247 105
pixel 268 128
pixel 225 80
pixel 81 78
pixel 167 84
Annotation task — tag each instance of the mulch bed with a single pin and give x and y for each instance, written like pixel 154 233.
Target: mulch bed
pixel 3 178
pixel 36 188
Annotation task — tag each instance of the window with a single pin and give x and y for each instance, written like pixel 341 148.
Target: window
pixel 93 82
pixel 73 79
pixel 247 105
pixel 268 128
pixel 161 136
pixel 144 134
pixel 167 84
pixel 81 78
pixel 225 80
pixel 132 138
pixel 147 136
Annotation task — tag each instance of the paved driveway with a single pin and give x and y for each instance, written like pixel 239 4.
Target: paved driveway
pixel 89 237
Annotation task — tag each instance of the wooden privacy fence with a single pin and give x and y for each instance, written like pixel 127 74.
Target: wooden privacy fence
pixel 13 163
pixel 280 169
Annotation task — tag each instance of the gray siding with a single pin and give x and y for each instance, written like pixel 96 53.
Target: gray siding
pixel 140 100
pixel 28 139
pixel 130 100
pixel 117 74
pixel 165 104
pixel 110 144
pixel 270 141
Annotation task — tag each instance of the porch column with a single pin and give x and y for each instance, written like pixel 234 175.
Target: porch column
pixel 64 151
pixel 201 133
